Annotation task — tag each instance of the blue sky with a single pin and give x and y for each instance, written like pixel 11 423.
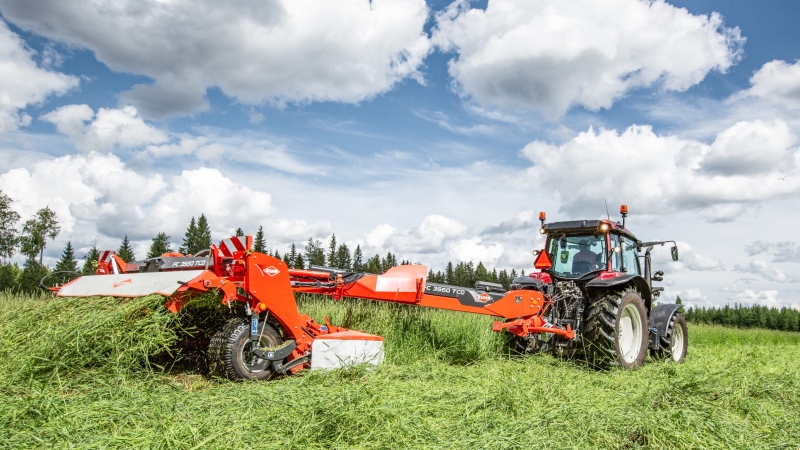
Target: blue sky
pixel 436 131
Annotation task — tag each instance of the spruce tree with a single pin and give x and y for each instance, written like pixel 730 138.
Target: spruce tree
pixel 125 252
pixel 90 261
pixel 291 257
pixel 481 274
pixel 161 244
pixel 203 234
pixel 343 258
pixel 388 262
pixel 332 260
pixel 67 263
pixel 374 265
pixel 189 239
pixel 239 232
pixel 259 244
pixel 298 262
pixel 449 275
pixel 358 265
pixel 314 254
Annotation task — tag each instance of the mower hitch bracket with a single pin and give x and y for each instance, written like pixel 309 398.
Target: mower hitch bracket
pixel 278 353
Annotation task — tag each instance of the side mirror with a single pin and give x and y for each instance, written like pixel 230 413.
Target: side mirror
pixel 675 253
pixel 658 276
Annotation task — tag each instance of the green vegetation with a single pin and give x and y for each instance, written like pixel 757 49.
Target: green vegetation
pixel 110 373
pixel 740 316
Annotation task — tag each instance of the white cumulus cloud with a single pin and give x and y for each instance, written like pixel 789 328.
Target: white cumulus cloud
pixel 766 271
pixel 98 199
pixel 659 175
pixel 278 51
pixel 475 250
pixel 23 82
pixel 105 131
pixel 549 54
pixel 778 82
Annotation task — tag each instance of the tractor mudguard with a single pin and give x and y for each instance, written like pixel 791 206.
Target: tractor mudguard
pixel 636 280
pixel 660 317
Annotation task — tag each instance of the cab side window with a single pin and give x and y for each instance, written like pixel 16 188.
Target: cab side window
pixel 626 257
pixel 616 254
pixel 630 256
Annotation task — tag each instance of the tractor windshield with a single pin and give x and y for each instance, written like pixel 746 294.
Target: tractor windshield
pixel 575 256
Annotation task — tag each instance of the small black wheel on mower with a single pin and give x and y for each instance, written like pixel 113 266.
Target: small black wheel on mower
pixel 675 343
pixel 519 345
pixel 616 330
pixel 230 352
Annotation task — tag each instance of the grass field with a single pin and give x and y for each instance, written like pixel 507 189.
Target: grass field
pixel 100 373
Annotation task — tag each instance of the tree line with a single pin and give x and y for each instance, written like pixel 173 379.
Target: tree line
pixel 739 316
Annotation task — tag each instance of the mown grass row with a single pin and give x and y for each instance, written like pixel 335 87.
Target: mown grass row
pixel 83 374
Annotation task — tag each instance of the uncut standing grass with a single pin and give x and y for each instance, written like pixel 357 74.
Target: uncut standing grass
pixel 737 389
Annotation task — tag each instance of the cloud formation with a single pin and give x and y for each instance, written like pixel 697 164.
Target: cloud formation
pixel 781 251
pixel 23 82
pixel 105 131
pixel 766 271
pixel 97 197
pixel 660 175
pixel 278 51
pixel 778 82
pixel 549 55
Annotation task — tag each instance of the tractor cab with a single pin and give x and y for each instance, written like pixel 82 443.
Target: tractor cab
pixel 597 251
pixel 582 250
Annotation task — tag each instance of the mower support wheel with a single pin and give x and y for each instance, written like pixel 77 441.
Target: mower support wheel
pixel 616 330
pixel 519 345
pixel 230 352
pixel 675 343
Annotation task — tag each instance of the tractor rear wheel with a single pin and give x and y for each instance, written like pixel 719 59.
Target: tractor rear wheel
pixel 230 352
pixel 675 343
pixel 616 330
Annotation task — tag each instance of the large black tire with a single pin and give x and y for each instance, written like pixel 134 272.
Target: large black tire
pixel 616 330
pixel 230 355
pixel 675 344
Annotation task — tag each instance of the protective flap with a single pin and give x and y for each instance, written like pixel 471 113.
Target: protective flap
pixel 128 285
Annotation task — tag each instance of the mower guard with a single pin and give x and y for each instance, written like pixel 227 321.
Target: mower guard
pixel 129 285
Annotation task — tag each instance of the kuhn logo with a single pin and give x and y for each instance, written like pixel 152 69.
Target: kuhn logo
pixel 123 283
pixel 483 298
pixel 271 271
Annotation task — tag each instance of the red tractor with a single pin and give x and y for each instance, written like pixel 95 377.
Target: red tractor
pixel 599 278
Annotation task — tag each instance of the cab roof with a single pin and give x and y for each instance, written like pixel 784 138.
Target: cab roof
pixel 577 227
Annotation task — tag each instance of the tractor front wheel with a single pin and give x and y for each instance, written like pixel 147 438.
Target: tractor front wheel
pixel 616 330
pixel 231 351
pixel 675 343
